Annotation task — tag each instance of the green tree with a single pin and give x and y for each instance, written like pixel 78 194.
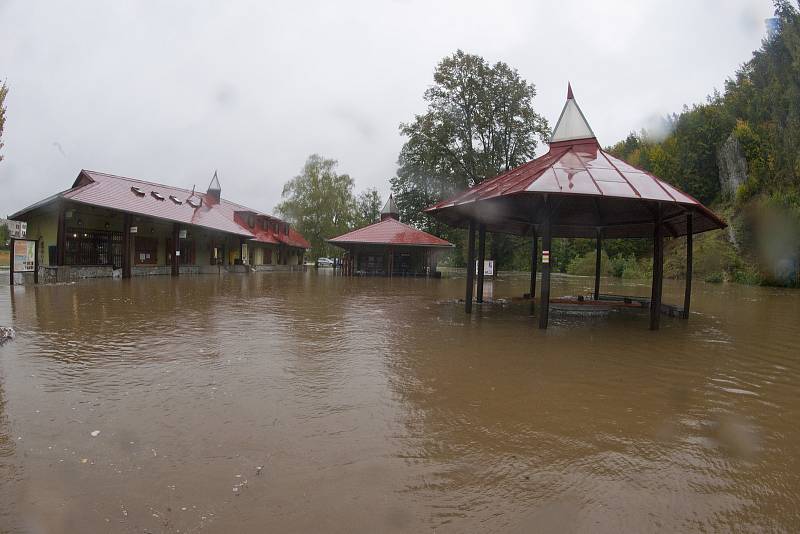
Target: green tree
pixel 319 203
pixel 3 93
pixel 479 122
pixel 4 236
pixel 368 207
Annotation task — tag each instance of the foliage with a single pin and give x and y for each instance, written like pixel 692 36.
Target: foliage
pixel 319 203
pixel 479 122
pixel 3 93
pixel 585 265
pixel 368 207
pixel 5 235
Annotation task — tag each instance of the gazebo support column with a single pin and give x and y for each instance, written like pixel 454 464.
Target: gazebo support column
pixel 470 266
pixel 481 258
pixel 534 262
pixel 544 296
pixel 658 270
pixel 689 245
pixel 597 265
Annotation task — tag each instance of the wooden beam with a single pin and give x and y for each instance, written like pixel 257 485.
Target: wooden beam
pixel 176 234
pixel 658 270
pixel 534 262
pixel 597 261
pixel 544 298
pixel 481 259
pixel 61 235
pixel 470 266
pixel 126 245
pixel 689 252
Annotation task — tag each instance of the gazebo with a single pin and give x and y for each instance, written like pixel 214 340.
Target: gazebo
pixel 577 189
pixel 390 248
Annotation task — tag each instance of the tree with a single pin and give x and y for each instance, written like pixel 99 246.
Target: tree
pixel 479 122
pixel 3 93
pixel 368 207
pixel 319 203
pixel 4 236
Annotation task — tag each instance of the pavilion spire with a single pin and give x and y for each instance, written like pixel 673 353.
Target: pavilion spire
pixel 572 124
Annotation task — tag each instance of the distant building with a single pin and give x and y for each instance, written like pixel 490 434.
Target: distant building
pixel 106 222
pixel 390 248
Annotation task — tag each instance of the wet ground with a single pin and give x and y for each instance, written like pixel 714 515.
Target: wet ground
pixel 306 402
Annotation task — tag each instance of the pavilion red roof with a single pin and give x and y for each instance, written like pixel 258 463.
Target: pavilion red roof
pixel 390 232
pixel 579 172
pixel 168 203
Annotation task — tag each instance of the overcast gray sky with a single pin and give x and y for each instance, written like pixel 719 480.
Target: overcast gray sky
pixel 169 93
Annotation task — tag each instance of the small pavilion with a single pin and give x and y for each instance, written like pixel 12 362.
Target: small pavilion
pixel 577 189
pixel 390 248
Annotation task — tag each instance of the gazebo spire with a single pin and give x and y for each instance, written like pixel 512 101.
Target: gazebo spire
pixel 390 210
pixel 571 125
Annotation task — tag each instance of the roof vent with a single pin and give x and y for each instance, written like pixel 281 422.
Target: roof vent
pixel 136 191
pixel 195 203
pixel 156 195
pixel 175 200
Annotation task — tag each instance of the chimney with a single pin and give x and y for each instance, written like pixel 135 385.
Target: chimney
pixel 214 190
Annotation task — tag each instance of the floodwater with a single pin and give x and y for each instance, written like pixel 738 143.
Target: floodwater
pixel 377 405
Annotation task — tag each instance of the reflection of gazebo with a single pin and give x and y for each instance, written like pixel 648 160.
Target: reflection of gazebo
pixel 577 190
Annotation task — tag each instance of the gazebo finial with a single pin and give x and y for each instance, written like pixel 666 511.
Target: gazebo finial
pixel 569 92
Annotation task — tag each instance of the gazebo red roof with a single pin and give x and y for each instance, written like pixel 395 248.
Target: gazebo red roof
pixel 593 189
pixel 390 231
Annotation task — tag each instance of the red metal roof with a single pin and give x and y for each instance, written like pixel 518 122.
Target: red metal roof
pixel 390 232
pixel 581 169
pixel 199 209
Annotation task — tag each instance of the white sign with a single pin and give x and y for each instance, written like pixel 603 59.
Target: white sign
pixel 182 234
pixel 18 229
pixel 545 256
pixel 488 267
pixel 177 252
pixel 134 229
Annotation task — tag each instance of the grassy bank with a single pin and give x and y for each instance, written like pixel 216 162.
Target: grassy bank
pixel 5 257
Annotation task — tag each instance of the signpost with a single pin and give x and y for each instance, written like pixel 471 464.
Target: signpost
pixel 488 267
pixel 24 258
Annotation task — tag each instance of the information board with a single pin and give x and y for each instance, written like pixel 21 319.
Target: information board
pixel 24 255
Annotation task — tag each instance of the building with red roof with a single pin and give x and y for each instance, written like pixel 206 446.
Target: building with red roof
pixel 106 222
pixel 390 247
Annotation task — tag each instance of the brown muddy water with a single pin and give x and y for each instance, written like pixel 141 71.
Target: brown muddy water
pixel 376 405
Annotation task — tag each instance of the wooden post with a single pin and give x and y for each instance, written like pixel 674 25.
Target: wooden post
pixel 11 264
pixel 61 236
pixel 35 261
pixel 689 245
pixel 176 234
pixel 658 270
pixel 544 298
pixel 126 245
pixel 534 263
pixel 470 266
pixel 597 265
pixel 481 259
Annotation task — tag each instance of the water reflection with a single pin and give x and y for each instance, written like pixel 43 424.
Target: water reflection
pixel 377 404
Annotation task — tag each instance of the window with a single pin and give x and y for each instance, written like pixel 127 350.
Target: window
pixel 186 246
pixel 145 250
pixel 251 221
pixel 268 256
pixel 195 203
pixel 92 247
